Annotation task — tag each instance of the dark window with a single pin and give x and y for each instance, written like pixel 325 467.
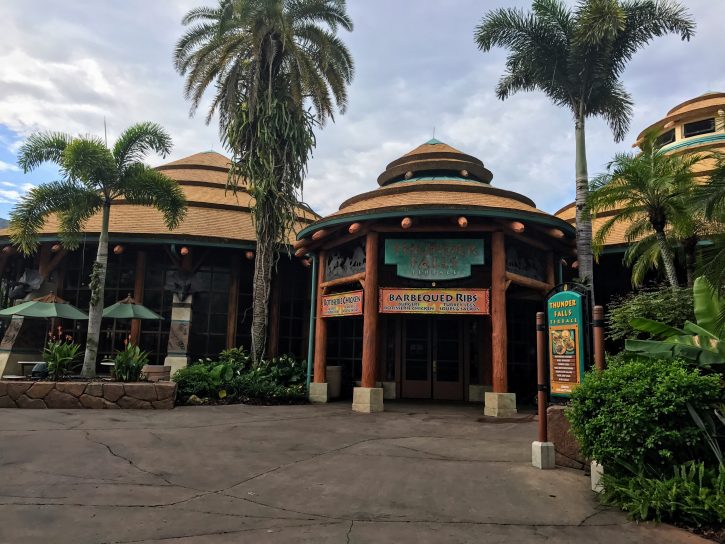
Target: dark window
pixel 699 127
pixel 666 138
pixel 294 281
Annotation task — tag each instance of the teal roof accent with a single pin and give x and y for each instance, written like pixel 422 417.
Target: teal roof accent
pixel 433 141
pixel 709 138
pixel 436 178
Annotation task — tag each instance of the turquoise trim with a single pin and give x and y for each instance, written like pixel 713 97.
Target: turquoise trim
pixel 435 178
pixel 313 311
pixel 147 240
pixel 446 212
pixel 697 140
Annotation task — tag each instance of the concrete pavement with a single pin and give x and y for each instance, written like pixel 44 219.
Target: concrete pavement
pixel 415 473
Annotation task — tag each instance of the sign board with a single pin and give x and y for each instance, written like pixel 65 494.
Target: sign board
pixel 341 304
pixel 565 315
pixel 433 259
pixel 434 301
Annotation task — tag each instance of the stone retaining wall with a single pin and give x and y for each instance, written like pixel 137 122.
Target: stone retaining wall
pixel 567 449
pixel 36 394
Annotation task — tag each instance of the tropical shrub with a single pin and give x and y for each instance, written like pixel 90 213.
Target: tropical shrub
pixel 129 362
pixel 635 414
pixel 234 378
pixel 694 495
pixel 61 357
pixel 673 307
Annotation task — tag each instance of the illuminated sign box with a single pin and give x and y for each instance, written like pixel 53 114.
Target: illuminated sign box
pixel 566 345
pixel 342 304
pixel 434 301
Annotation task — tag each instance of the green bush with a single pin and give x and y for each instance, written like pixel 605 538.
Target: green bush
pixel 634 414
pixel 234 378
pixel 694 495
pixel 129 362
pixel 672 307
pixel 60 355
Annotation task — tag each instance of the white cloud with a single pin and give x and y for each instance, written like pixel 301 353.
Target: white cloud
pixel 101 60
pixel 11 196
pixel 8 167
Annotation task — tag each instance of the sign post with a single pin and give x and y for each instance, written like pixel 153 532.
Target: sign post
pixel 565 317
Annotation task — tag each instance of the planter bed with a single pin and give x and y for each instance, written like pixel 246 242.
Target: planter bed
pixel 87 394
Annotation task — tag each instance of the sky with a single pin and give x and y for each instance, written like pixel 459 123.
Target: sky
pixel 68 66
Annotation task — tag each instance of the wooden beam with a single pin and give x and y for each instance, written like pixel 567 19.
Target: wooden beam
pixel 341 281
pixel 370 312
pixel 138 293
pixel 517 226
pixel 345 239
pixel 354 228
pixel 320 361
pixel 499 338
pixel 531 283
pixel 406 223
pixel 462 222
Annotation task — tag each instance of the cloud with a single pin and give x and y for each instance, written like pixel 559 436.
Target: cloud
pixel 6 166
pixel 11 196
pixel 416 68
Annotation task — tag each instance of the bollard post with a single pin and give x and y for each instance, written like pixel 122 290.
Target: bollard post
pixel 542 451
pixel 598 330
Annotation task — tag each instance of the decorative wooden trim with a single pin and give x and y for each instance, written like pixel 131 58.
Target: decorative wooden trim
pixel 439 228
pixel 341 281
pixel 499 338
pixel 345 239
pixel 320 360
pixel 531 283
pixel 370 312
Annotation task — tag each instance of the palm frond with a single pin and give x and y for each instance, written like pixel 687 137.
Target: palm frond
pixel 33 209
pixel 88 160
pixel 136 141
pixel 42 147
pixel 145 186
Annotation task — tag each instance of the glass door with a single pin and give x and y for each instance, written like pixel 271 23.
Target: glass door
pixel 416 358
pixel 447 358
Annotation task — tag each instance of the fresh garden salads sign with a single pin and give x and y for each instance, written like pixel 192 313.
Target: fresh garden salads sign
pixel 434 301
pixel 566 344
pixel 433 259
pixel 341 304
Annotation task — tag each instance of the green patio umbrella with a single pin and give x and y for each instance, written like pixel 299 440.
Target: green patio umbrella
pixel 128 308
pixel 49 306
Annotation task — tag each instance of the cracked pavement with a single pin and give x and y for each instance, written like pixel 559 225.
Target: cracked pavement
pixel 206 475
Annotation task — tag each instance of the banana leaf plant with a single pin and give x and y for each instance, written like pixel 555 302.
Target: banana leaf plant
pixel 701 343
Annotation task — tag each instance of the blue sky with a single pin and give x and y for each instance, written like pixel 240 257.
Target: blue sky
pixel 68 66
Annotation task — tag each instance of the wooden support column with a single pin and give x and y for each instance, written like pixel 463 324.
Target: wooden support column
pixel 499 337
pixel 370 312
pixel 320 325
pixel 138 292
pixel 233 302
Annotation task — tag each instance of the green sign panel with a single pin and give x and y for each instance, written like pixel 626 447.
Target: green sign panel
pixel 433 259
pixel 565 313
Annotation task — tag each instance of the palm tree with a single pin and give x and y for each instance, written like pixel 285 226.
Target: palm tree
pixel 649 192
pixel 577 57
pixel 711 196
pixel 94 177
pixel 279 69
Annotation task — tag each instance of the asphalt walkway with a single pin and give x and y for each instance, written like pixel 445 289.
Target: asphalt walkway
pixel 322 474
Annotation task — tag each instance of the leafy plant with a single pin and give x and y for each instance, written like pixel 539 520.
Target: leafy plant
pixel 694 495
pixel 61 356
pixel 698 343
pixel 129 363
pixel 663 304
pixel 635 414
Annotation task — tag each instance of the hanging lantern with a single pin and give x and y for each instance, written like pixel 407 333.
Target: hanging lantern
pixel 249 255
pixel 118 249
pixel 184 251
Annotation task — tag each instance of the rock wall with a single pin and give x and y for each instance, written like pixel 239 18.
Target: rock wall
pixel 34 394
pixel 567 449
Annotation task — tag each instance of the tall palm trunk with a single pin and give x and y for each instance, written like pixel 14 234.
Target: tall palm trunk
pixel 583 223
pixel 690 259
pixel 97 284
pixel 667 258
pixel 263 264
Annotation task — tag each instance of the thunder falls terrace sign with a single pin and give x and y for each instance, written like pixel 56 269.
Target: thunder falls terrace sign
pixel 566 354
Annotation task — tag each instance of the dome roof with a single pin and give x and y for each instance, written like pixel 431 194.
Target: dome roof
pixel 436 157
pixel 444 181
pixel 214 215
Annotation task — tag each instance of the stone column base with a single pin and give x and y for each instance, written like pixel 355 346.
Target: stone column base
pixel 597 471
pixel 318 393
pixel 543 455
pixel 176 362
pixel 367 399
pixel 499 404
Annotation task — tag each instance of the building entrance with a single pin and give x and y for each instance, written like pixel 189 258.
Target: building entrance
pixel 432 357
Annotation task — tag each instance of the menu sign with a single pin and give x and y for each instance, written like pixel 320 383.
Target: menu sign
pixel 566 353
pixel 341 304
pixel 434 301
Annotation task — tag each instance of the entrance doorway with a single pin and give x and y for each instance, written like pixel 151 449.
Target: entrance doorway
pixel 432 357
